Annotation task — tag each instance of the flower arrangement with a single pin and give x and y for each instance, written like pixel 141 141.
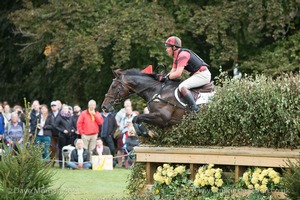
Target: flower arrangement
pixel 209 177
pixel 262 180
pixel 169 180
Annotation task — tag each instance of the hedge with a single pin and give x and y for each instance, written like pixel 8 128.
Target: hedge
pixel 255 111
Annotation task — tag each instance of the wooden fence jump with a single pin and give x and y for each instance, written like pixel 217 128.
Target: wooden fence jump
pixel 239 157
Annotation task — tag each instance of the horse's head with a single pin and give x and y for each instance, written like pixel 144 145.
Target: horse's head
pixel 117 92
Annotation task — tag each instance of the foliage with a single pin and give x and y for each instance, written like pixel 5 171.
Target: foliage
pixel 25 175
pixel 66 49
pixel 291 179
pixel 254 111
pixel 262 180
pixel 136 179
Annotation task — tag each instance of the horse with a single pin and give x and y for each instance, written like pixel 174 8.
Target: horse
pixel 164 109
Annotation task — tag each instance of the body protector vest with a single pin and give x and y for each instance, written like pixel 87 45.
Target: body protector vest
pixel 194 63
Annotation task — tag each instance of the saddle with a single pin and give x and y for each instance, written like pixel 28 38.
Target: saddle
pixel 207 88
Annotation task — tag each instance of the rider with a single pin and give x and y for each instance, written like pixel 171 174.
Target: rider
pixel 191 62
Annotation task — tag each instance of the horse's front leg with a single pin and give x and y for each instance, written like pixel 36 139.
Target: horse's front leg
pixel 154 118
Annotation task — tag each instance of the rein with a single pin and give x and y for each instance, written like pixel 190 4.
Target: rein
pixel 117 97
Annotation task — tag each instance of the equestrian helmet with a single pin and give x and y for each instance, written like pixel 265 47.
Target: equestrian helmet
pixel 173 41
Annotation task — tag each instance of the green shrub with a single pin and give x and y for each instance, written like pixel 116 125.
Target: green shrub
pixel 26 175
pixel 260 112
pixel 136 179
pixel 292 180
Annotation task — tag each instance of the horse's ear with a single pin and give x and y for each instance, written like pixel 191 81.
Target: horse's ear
pixel 117 72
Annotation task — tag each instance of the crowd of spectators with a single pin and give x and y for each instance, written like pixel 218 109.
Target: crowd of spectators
pixel 91 131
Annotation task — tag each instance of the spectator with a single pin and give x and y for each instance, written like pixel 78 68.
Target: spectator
pixel 100 149
pixel 107 130
pixel 131 140
pixel 74 133
pixel 88 125
pixel 7 113
pixel 121 113
pixel 18 109
pixel 63 125
pixel 80 157
pixel 33 116
pixel 2 124
pixel 44 130
pixel 126 123
pixel 14 132
pixel 54 139
pixel 59 105
pixel 130 143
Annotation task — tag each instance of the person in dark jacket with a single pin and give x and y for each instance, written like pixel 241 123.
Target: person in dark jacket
pixel 63 125
pixel 131 140
pixel 107 130
pixel 44 130
pixel 54 139
pixel 100 149
pixel 33 117
pixel 74 133
pixel 80 157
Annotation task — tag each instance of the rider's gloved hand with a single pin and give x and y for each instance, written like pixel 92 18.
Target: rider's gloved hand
pixel 162 78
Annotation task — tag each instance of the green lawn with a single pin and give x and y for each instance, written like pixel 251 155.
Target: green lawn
pixel 91 184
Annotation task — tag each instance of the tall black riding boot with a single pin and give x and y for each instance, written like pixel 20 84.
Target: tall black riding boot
pixel 187 95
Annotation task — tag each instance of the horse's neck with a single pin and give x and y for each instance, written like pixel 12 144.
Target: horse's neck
pixel 144 88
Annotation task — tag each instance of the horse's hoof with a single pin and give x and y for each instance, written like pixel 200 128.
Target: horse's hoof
pixel 135 120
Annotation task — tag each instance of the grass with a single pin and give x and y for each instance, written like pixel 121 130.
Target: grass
pixel 91 184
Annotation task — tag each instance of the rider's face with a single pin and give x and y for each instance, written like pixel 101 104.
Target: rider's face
pixel 169 51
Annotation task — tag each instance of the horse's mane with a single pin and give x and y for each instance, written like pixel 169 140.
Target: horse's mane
pixel 138 73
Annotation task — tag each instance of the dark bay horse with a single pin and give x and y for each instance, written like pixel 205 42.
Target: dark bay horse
pixel 164 108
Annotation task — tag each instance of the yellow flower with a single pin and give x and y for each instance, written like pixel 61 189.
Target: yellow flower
pixel 180 169
pixel 159 169
pixel 257 170
pixel 214 189
pixel 265 172
pixel 157 191
pixel 203 183
pixel 257 187
pixel 261 177
pixel 211 180
pixel 196 182
pixel 164 172
pixel 276 180
pixel 272 174
pixel 170 173
pixel 218 175
pixel 210 166
pixel 168 181
pixel 254 180
pixel 250 186
pixel 265 181
pixel 263 188
pixel 208 172
pixel 219 182
pixel 166 166
pixel 245 176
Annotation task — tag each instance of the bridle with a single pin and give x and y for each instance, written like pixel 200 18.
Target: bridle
pixel 117 98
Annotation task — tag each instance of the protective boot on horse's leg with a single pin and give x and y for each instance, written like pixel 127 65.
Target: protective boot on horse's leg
pixel 187 95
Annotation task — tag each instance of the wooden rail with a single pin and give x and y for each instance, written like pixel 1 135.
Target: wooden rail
pixel 239 157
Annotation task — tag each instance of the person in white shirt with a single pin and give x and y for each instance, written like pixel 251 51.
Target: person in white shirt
pixel 80 157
